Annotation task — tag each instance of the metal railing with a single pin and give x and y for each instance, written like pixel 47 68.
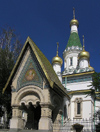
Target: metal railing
pixel 77 125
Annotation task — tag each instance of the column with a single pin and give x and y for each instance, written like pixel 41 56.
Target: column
pixel 45 122
pixel 16 122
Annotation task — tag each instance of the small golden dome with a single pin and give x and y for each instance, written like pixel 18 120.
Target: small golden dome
pixel 84 54
pixel 57 60
pixel 74 22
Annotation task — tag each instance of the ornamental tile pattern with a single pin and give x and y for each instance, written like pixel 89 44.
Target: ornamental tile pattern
pixel 30 75
pixel 74 40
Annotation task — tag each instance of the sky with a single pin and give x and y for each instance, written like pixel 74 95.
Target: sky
pixel 47 22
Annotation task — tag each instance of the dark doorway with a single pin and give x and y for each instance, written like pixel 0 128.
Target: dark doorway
pixel 37 115
pixel 33 116
pixel 78 127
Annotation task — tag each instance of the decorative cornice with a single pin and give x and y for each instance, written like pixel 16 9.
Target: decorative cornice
pixel 79 91
pixel 78 74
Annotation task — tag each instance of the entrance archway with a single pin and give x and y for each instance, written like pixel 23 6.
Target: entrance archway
pixel 33 113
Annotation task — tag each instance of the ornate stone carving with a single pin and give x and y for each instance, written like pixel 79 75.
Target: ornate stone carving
pixel 78 100
pixel 46 110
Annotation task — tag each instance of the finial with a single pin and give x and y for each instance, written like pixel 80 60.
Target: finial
pixel 57 48
pixel 83 43
pixel 73 12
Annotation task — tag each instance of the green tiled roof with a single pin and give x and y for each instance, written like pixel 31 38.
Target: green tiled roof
pixel 74 40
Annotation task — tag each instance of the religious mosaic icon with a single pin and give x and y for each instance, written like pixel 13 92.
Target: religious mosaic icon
pixel 30 74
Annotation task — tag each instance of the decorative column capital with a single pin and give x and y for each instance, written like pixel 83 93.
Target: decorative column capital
pixel 46 105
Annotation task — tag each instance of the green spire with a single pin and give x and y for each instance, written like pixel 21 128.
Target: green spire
pixel 74 40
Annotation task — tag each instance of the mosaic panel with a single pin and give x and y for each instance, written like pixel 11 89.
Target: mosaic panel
pixel 31 74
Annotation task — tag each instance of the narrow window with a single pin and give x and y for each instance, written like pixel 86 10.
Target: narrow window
pixel 65 112
pixel 63 80
pixel 78 108
pixel 71 61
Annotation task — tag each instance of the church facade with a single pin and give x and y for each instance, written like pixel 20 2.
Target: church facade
pixel 43 96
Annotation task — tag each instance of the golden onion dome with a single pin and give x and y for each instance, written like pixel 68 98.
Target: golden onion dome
pixel 57 60
pixel 84 54
pixel 74 22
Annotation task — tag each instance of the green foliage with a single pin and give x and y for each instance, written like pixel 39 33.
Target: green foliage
pixel 6 65
pixel 96 81
pixel 97 114
pixel 95 86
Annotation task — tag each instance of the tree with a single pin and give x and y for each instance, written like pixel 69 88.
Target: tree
pixel 96 82
pixel 95 92
pixel 10 47
pixel 10 41
pixel 95 85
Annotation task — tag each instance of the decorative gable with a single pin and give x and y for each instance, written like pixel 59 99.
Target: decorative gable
pixel 33 68
pixel 31 74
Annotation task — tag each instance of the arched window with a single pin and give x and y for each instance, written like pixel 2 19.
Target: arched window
pixel 65 111
pixel 78 108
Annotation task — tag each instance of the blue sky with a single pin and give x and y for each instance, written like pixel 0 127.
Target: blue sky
pixel 47 22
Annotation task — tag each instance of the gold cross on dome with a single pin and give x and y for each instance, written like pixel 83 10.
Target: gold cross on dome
pixel 57 47
pixel 73 12
pixel 83 42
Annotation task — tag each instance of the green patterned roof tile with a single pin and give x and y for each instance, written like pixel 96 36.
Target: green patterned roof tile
pixel 74 40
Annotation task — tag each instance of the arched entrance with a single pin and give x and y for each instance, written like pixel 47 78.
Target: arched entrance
pixel 30 109
pixel 28 100
pixel 31 115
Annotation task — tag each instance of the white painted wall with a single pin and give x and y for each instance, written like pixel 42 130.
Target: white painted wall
pixel 57 69
pixel 83 63
pixel 78 86
pixel 71 54
pixel 87 106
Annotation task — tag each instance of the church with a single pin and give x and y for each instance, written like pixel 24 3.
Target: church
pixel 46 98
